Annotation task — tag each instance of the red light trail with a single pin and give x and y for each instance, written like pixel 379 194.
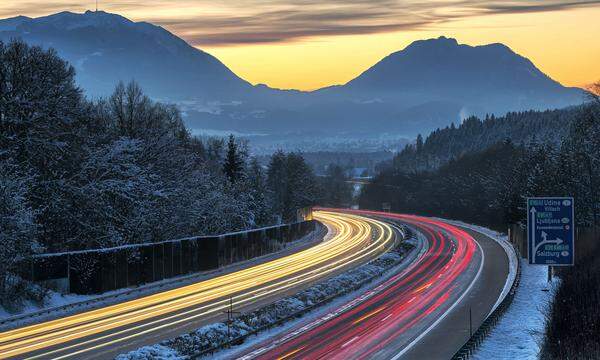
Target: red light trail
pixel 425 291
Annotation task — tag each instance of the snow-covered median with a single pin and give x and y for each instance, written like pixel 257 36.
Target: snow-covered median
pixel 154 352
pixel 215 335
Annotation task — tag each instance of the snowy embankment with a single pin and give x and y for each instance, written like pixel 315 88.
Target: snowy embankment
pixel 520 331
pixel 521 328
pixel 214 336
pixel 53 300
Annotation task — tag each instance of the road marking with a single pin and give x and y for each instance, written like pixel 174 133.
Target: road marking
pixel 350 341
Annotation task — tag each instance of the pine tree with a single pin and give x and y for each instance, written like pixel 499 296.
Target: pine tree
pixel 234 164
pixel 419 143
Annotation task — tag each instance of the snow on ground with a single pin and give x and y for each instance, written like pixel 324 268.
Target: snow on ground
pixel 521 328
pixel 155 352
pixel 53 300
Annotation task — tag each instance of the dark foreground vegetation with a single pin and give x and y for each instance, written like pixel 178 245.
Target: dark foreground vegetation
pixel 573 319
pixel 82 174
pixel 482 172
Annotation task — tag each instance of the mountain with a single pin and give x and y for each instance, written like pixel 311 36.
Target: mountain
pixel 106 48
pixel 429 84
pixel 490 78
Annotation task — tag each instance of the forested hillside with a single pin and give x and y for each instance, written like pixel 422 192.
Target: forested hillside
pixel 474 134
pixel 79 174
pixel 486 175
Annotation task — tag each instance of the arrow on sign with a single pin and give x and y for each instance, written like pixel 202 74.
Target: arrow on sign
pixel 533 211
pixel 545 240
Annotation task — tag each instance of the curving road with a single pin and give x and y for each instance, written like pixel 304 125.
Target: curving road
pixel 111 330
pixel 423 312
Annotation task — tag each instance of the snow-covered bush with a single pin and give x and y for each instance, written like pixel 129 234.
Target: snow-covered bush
pixel 154 352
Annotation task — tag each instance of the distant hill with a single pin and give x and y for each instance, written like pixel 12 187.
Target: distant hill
pixel 429 84
pixel 474 135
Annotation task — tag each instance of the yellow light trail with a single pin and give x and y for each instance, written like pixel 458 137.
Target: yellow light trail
pixel 374 312
pixel 352 243
pixel 291 353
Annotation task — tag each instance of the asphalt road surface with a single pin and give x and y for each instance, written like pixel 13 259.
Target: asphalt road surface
pixel 425 312
pixel 108 331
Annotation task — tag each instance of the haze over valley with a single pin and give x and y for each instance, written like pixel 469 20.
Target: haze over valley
pixel 427 85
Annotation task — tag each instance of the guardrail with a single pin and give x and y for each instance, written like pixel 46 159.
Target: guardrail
pixel 467 350
pixel 104 270
pixel 143 290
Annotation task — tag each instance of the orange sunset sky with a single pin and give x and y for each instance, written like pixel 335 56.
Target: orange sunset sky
pixel 308 44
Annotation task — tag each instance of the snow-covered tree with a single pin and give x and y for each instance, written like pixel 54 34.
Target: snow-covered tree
pixel 18 232
pixel 42 128
pixel 77 174
pixel 580 156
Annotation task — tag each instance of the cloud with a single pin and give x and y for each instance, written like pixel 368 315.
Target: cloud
pixel 231 22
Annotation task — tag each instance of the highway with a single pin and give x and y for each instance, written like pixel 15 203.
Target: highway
pixel 424 312
pixel 108 331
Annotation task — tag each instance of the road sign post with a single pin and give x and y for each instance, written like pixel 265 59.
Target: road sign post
pixel 230 314
pixel 551 231
pixel 386 207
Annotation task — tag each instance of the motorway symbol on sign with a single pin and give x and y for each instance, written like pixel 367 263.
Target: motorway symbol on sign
pixel 550 230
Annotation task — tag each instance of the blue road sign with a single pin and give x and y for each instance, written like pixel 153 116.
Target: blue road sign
pixel 551 230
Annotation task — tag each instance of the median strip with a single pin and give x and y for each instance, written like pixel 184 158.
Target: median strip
pixel 209 339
